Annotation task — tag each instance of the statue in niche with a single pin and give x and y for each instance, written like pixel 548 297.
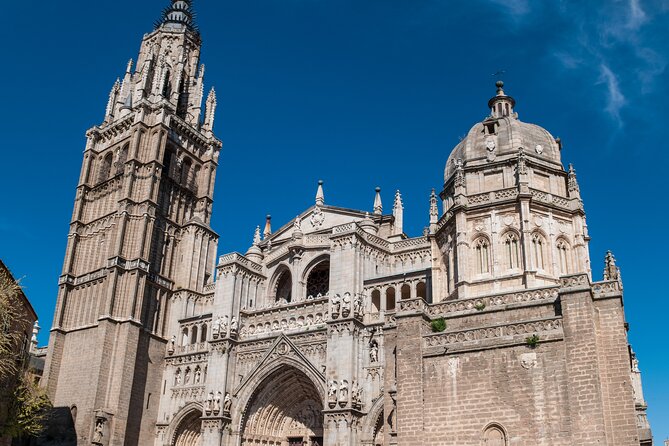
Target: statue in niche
pixel 233 325
pixel 392 417
pixel 355 395
pixel 216 327
pixel 227 403
pixel 343 393
pixel 357 305
pixel 209 404
pixel 346 305
pixel 217 403
pixel 332 390
pixel 187 376
pixel 224 325
pixel 336 305
pixel 374 351
pixel 98 433
pixel 197 377
pixel 177 377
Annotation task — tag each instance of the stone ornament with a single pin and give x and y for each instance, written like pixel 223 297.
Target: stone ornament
pixel 539 149
pixel 490 144
pixel 99 431
pixel 346 305
pixel 335 306
pixel 171 345
pixel 332 393
pixel 343 393
pixel 317 218
pixel 217 403
pixel 528 360
pixel 227 404
pixel 374 351
pixel 209 404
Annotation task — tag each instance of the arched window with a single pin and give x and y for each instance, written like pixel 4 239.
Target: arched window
pixel 511 250
pixel 184 336
pixel 482 256
pixel 318 281
pixel 203 333
pixel 563 257
pixel 538 250
pixel 284 287
pixel 421 290
pixel 405 291
pixel 494 436
pixel 390 298
pixel 186 167
pixel 376 301
pixel 193 335
pixel 105 168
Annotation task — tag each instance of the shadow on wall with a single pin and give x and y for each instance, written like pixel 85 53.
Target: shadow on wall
pixel 60 429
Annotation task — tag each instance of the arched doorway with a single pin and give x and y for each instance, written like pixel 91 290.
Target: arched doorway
pixel 188 431
pixel 285 409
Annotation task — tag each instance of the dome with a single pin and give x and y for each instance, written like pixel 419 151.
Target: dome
pixel 500 136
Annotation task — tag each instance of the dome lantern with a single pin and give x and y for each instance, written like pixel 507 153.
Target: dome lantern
pixel 501 105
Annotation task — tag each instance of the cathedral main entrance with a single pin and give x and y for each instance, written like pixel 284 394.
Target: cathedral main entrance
pixel 285 409
pixel 188 431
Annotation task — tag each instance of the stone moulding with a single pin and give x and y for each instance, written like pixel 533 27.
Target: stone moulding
pixel 513 333
pixel 498 301
pixel 300 316
pixel 235 257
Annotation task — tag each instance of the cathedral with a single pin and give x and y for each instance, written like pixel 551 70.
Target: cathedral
pixel 335 328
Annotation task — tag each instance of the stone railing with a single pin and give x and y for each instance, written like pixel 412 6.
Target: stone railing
pixel 474 303
pixel 493 196
pixel 575 281
pixel 493 332
pixel 546 197
pixel 235 257
pixel 191 348
pixel 607 287
pixel 302 315
pixel 209 288
pixel 316 240
pixel 343 228
pixel 418 242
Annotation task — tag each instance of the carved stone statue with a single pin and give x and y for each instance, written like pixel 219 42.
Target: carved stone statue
pixel 217 403
pixel 98 433
pixel 177 377
pixel 336 305
pixel 233 325
pixel 197 377
pixel 187 376
pixel 227 403
pixel 209 404
pixel 216 327
pixel 374 351
pixel 346 305
pixel 224 325
pixel 332 390
pixel 355 395
pixel 357 305
pixel 343 392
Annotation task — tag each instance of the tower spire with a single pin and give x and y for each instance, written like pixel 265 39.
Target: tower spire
pixel 268 226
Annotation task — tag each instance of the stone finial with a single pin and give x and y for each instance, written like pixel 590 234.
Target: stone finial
pixel 368 225
pixel 113 96
pixel 611 271
pixel 128 68
pixel 320 197
pixel 398 213
pixel 33 338
pixel 210 110
pixel 127 104
pixel 434 208
pixel 256 236
pixel 268 226
pixel 378 206
pixel 459 180
pixel 572 183
pixel 522 162
pixel 255 253
pixel 297 228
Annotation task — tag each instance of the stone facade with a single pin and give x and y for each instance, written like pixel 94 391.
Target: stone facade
pixel 337 328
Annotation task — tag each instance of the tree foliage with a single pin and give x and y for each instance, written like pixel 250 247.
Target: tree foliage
pixel 9 314
pixel 28 409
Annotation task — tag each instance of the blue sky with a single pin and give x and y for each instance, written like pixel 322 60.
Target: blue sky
pixel 359 94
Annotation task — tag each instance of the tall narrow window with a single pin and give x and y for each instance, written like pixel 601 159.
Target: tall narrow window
pixel 318 281
pixel 563 257
pixel 538 251
pixel 105 168
pixel 390 298
pixel 284 287
pixel 376 301
pixel 511 251
pixel 482 256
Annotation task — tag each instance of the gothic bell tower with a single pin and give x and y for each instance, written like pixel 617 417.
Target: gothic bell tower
pixel 140 230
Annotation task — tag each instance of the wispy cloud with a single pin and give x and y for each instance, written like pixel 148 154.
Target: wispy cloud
pixel 611 45
pixel 615 97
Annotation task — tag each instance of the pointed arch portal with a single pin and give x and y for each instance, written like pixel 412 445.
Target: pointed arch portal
pixel 285 409
pixel 189 430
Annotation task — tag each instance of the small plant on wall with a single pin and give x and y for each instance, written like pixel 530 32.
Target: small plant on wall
pixel 480 306
pixel 438 325
pixel 532 341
